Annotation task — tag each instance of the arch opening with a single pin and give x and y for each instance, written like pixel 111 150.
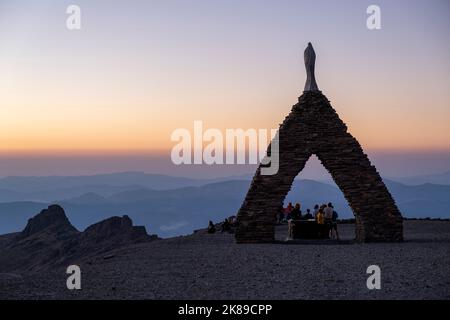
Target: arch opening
pixel 313 186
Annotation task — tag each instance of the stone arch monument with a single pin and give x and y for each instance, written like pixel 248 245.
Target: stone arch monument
pixel 314 127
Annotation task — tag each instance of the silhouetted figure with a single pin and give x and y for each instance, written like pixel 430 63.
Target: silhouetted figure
pixel 296 213
pixel 320 219
pixel 226 227
pixel 328 213
pixel 334 225
pixel 288 209
pixel 211 227
pixel 316 210
pixel 308 215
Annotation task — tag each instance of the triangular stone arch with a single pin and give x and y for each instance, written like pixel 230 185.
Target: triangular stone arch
pixel 314 127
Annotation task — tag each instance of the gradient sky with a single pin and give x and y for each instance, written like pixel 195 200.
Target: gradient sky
pixel 140 69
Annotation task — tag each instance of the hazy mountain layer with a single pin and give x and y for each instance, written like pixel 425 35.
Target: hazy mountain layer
pixel 182 210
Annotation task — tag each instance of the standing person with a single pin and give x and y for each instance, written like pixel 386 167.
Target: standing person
pixel 334 225
pixel 296 213
pixel 328 214
pixel 320 223
pixel 289 208
pixel 320 218
pixel 287 211
pixel 316 210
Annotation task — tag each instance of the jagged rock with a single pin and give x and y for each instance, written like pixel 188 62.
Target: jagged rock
pixel 113 232
pixel 49 240
pixel 115 227
pixel 53 219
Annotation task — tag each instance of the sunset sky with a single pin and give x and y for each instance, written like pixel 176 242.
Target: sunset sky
pixel 137 70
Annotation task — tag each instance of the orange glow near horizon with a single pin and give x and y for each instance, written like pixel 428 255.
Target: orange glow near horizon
pixel 118 89
pixel 116 127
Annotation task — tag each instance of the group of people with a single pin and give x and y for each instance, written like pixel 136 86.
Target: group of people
pixel 323 215
pixel 225 226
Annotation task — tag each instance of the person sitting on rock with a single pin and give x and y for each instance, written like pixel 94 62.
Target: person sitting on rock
pixel 226 227
pixel 211 227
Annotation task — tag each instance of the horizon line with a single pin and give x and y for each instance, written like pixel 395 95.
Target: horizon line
pixel 166 152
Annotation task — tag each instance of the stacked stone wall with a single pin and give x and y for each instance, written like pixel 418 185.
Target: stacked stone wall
pixel 314 127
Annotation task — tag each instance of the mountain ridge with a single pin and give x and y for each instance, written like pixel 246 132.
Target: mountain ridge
pixel 189 208
pixel 50 240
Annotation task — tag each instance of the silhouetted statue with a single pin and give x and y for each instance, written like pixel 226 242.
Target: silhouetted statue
pixel 310 60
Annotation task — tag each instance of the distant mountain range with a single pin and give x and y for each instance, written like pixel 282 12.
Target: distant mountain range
pixel 442 178
pixel 60 187
pixel 170 206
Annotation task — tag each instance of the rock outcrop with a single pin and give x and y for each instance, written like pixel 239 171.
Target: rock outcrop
pixel 52 220
pixel 112 233
pixel 50 240
pixel 115 227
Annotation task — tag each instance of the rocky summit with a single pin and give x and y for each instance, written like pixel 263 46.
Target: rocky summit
pixel 50 240
pixel 53 220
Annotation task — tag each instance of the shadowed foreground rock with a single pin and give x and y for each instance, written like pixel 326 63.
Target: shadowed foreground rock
pixel 50 240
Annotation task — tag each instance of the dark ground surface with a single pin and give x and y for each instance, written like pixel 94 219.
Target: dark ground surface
pixel 204 266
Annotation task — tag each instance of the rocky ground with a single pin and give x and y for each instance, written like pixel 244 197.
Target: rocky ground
pixel 203 266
